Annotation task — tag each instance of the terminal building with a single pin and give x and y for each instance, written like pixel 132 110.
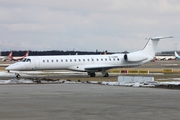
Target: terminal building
pixel 166 55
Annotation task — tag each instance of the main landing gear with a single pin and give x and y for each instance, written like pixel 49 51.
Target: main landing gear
pixel 93 74
pixel 105 75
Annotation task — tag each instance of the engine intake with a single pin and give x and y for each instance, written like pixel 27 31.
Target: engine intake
pixel 125 57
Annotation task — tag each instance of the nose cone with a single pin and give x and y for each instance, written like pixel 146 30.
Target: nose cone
pixel 10 67
pixel 14 66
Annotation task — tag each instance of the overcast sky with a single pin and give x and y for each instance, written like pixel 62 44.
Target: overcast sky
pixel 87 25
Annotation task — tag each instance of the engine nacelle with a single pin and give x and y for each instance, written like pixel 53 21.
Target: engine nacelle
pixel 131 57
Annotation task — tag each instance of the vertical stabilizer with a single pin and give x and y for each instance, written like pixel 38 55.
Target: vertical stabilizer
pixel 176 55
pixel 10 56
pixel 150 47
pixel 27 53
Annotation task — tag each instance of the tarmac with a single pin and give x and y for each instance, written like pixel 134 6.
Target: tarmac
pixel 87 102
pixel 90 101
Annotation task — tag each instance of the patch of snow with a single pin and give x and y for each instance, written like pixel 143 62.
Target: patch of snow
pixel 169 83
pixel 175 78
pixel 128 84
pixel 15 81
pixel 109 83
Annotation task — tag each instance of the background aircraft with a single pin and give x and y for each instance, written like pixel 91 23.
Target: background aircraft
pixel 20 58
pixel 5 58
pixel 11 58
pixel 176 55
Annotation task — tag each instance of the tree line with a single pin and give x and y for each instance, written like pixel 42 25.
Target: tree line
pixel 54 52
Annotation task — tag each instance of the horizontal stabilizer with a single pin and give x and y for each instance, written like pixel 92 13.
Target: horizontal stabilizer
pixel 160 37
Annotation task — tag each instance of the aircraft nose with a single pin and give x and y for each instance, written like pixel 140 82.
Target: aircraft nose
pixel 12 67
pixel 9 67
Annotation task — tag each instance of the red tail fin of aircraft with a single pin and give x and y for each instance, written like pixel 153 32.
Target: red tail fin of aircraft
pixel 10 56
pixel 20 58
pixel 27 53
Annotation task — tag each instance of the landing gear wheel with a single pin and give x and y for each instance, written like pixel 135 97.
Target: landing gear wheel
pixel 92 74
pixel 106 75
pixel 17 75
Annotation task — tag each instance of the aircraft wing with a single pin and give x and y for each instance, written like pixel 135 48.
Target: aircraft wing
pixel 92 67
pixel 98 67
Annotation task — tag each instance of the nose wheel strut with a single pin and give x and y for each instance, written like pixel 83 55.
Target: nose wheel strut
pixel 17 75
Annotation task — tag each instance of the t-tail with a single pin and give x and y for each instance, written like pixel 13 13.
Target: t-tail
pixel 151 46
pixel 146 54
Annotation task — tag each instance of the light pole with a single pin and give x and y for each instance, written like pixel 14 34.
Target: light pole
pixel 175 46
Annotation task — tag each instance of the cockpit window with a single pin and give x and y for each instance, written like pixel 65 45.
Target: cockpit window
pixel 26 60
pixel 23 60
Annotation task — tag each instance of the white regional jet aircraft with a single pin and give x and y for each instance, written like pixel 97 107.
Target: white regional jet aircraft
pixel 88 63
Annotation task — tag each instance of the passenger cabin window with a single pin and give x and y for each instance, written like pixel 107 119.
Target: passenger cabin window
pixel 56 60
pixel 44 61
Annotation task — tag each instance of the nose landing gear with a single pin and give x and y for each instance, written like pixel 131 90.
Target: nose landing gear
pixel 17 75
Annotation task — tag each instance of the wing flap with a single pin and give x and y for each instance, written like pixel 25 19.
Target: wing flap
pixel 98 67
